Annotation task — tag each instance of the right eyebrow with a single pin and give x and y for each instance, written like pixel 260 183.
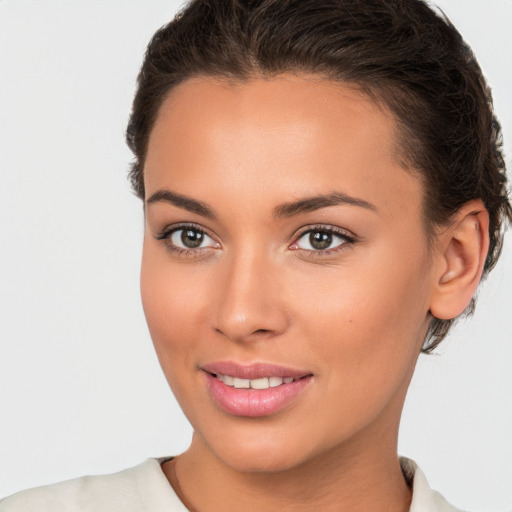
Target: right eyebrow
pixel 180 201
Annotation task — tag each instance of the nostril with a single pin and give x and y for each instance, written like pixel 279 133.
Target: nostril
pixel 246 320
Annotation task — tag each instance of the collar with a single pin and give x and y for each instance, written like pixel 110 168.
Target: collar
pixel 424 499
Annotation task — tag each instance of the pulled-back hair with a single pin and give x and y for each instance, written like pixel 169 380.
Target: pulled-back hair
pixel 400 52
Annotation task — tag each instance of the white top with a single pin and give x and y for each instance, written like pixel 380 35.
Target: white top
pixel 145 488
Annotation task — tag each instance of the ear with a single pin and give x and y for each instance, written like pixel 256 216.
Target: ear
pixel 460 257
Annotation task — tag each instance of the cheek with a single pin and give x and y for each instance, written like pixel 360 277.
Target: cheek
pixel 369 320
pixel 174 305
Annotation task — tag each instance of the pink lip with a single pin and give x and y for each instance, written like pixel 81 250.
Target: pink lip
pixel 252 371
pixel 253 402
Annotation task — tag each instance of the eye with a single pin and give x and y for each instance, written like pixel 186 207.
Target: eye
pixel 191 238
pixel 186 239
pixel 321 240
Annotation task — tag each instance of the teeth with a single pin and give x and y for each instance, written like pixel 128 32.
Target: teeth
pixel 273 382
pixel 227 379
pixel 262 383
pixel 242 383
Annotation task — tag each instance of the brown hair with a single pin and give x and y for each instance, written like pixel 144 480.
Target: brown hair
pixel 401 52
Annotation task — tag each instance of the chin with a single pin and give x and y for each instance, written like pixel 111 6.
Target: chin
pixel 259 461
pixel 266 451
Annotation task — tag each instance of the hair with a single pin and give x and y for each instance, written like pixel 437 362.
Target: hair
pixel 400 52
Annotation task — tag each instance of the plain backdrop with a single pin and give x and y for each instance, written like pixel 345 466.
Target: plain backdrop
pixel 81 391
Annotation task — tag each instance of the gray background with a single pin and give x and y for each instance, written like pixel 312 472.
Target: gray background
pixel 80 388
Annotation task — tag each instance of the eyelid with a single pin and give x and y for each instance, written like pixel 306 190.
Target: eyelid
pixel 165 237
pixel 348 236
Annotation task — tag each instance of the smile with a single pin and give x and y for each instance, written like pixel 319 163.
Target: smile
pixel 261 383
pixel 254 390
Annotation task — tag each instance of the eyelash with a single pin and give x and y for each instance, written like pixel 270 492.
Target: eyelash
pixel 165 237
pixel 348 239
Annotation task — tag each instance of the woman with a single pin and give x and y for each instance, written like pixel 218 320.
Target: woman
pixel 323 191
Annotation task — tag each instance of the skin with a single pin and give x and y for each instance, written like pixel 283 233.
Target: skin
pixel 354 316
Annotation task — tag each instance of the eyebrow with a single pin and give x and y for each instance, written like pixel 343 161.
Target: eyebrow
pixel 305 205
pixel 310 204
pixel 187 203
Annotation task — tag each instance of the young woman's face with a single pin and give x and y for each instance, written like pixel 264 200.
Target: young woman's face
pixel 283 241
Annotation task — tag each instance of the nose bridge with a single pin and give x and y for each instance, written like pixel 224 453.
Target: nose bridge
pixel 250 304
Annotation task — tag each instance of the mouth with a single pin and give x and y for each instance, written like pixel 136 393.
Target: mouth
pixel 254 390
pixel 260 383
pixel 254 372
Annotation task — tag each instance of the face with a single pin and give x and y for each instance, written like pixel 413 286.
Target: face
pixel 285 274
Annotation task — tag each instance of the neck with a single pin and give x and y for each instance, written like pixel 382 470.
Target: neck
pixel 345 478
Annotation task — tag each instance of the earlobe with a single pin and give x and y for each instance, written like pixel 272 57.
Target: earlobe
pixel 460 258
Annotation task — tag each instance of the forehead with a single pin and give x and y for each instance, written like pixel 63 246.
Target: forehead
pixel 299 104
pixel 301 132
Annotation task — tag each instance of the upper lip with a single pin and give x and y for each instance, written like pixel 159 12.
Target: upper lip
pixel 253 370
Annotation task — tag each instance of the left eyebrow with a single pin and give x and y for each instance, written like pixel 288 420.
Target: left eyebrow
pixel 310 204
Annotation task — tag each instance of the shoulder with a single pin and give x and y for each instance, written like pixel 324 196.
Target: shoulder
pixel 424 499
pixel 143 487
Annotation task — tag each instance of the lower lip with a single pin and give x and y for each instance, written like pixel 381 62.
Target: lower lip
pixel 254 402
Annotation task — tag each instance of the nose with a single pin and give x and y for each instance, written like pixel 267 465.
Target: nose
pixel 250 305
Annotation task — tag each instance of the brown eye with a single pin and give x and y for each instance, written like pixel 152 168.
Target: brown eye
pixel 320 240
pixel 190 237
